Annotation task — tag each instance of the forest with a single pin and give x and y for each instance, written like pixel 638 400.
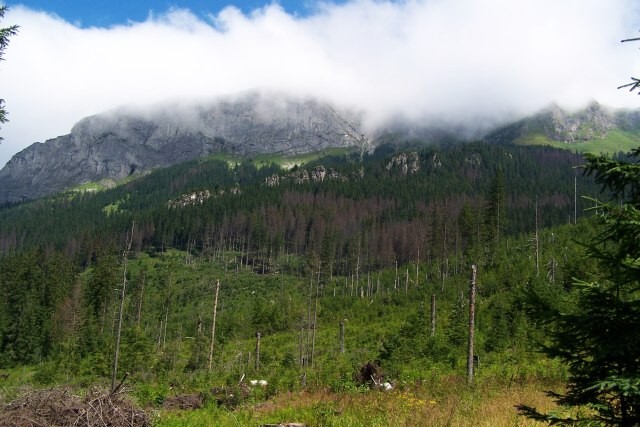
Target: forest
pixel 200 277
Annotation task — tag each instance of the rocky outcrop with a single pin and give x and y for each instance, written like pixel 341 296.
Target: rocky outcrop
pixel 591 123
pixel 406 163
pixel 125 142
pixel 318 174
pixel 190 199
pixel 199 197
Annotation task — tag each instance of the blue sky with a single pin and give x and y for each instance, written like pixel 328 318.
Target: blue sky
pixel 470 63
pixel 104 13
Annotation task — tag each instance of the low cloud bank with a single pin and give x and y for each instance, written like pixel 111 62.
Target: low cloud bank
pixel 461 62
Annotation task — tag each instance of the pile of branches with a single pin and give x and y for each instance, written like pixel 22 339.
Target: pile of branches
pixel 60 407
pixel 184 401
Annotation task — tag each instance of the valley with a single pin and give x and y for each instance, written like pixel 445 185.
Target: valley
pixel 295 261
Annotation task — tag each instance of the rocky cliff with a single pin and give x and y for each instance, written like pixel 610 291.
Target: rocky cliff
pixel 124 142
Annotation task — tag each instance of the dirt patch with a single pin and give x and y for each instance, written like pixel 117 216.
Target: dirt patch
pixel 60 407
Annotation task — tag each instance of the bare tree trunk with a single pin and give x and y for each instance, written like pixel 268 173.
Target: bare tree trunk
pixel 213 326
pixel 125 258
pixel 315 321
pixel 358 270
pixel 257 351
pixel 395 282
pixel 472 311
pixel 406 283
pixel 433 314
pixel 537 244
pixel 301 347
pixel 575 198
pixel 159 343
pixel 418 270
pixel 445 252
pixel 166 320
pixel 342 336
pixel 139 314
pixel 308 332
pixel 352 285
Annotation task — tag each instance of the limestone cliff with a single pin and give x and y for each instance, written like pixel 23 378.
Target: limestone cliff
pixel 120 143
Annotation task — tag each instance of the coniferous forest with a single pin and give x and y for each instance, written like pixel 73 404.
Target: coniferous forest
pixel 333 276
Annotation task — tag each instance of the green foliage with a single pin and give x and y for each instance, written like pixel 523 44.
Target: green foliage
pixel 34 284
pixel 596 334
pixel 495 212
pixel 5 34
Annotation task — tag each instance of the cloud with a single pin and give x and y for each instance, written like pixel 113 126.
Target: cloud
pixel 457 61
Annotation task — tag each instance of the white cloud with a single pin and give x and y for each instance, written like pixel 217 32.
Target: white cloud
pixel 461 60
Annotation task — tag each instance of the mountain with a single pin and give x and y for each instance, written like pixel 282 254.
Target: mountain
pixel 595 128
pixel 126 142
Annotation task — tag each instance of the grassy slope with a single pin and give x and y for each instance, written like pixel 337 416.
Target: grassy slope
pixel 286 162
pixel 443 403
pixel 615 142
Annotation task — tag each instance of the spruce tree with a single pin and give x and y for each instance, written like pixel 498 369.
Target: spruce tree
pixel 495 215
pixel 597 335
pixel 5 34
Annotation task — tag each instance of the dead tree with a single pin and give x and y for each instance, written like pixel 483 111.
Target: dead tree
pixel 433 314
pixel 213 326
pixel 537 244
pixel 257 351
pixel 125 258
pixel 472 310
pixel 139 315
pixel 342 336
pixel 315 321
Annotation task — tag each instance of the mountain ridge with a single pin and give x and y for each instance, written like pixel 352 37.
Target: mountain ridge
pixel 128 142
pixel 121 143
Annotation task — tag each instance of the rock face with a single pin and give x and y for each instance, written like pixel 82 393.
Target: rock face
pixel 593 122
pixel 117 144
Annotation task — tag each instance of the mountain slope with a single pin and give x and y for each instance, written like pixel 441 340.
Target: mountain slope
pixel 593 129
pixel 126 142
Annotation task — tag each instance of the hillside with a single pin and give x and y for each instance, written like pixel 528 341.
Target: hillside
pixel 401 188
pixel 595 129
pixel 351 242
pixel 365 241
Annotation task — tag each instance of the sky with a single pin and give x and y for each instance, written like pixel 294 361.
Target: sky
pixel 461 62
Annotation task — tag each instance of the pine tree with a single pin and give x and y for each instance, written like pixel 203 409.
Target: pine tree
pixel 597 335
pixel 495 214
